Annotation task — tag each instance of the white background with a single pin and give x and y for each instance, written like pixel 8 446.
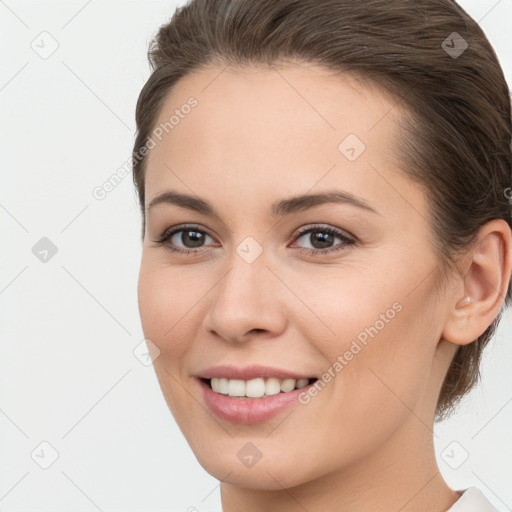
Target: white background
pixel 68 327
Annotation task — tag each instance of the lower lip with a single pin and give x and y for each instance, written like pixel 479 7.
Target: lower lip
pixel 248 411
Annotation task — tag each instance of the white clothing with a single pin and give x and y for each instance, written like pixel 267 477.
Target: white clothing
pixel 472 500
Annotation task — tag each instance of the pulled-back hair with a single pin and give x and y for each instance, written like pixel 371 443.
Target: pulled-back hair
pixel 455 140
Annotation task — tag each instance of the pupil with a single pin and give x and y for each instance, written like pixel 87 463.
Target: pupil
pixel 321 240
pixel 196 238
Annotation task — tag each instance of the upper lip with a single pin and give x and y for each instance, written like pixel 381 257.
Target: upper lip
pixel 249 372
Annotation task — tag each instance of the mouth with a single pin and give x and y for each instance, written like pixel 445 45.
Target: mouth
pixel 252 401
pixel 255 388
pixel 251 394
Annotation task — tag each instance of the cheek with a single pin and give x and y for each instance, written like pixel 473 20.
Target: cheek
pixel 166 312
pixel 381 367
pixel 381 340
pixel 166 309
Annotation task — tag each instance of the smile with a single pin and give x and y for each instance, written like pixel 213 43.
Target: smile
pixel 253 394
pixel 255 388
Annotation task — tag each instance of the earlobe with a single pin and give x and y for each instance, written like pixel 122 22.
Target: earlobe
pixel 484 284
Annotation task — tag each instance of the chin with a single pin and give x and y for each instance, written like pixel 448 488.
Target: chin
pixel 271 478
pixel 271 472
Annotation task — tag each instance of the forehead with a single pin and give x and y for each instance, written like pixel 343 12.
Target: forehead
pixel 284 129
pixel 305 99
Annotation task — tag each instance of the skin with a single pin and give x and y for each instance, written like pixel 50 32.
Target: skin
pixel 365 442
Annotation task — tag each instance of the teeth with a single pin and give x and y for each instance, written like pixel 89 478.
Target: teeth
pixel 302 382
pixel 223 386
pixel 236 387
pixel 255 388
pixel 272 386
pixel 288 385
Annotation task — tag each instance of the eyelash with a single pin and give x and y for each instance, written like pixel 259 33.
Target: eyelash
pixel 347 242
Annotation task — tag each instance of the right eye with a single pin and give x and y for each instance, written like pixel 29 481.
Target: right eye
pixel 190 236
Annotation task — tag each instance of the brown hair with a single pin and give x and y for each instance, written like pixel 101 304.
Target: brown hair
pixel 455 140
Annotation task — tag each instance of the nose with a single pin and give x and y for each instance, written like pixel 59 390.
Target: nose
pixel 248 301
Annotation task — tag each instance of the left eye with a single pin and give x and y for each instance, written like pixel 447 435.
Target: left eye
pixel 321 239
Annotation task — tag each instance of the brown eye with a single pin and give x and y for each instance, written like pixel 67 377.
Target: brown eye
pixel 183 239
pixel 321 240
pixel 191 239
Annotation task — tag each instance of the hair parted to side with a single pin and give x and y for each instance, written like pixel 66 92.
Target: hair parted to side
pixel 455 140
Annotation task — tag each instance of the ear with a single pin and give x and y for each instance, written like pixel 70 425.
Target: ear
pixel 483 285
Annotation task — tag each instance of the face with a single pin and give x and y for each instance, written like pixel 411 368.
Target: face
pixel 266 292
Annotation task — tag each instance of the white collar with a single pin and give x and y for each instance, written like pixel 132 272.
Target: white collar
pixel 472 500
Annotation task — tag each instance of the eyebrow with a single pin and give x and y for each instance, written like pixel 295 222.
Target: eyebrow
pixel 280 208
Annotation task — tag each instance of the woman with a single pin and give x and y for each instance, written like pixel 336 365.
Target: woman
pixel 326 242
